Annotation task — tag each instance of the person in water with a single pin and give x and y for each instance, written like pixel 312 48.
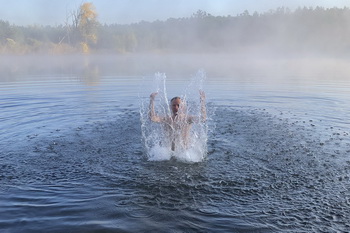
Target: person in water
pixel 178 125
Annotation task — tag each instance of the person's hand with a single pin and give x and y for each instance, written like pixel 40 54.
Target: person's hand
pixel 153 95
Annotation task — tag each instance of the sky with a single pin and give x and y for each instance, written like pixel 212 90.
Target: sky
pixel 54 12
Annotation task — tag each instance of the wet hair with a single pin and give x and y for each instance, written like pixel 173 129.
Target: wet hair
pixel 175 98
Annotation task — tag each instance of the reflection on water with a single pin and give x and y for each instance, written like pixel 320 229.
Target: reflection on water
pixel 72 157
pixel 89 73
pixel 247 67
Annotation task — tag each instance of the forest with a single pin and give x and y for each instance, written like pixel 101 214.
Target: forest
pixel 305 31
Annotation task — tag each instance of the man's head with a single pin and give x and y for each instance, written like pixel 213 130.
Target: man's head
pixel 175 104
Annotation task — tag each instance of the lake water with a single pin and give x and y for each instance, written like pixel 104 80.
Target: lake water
pixel 72 157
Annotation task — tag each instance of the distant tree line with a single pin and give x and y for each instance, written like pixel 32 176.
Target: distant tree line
pixel 317 30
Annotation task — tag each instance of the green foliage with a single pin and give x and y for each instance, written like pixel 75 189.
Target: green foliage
pixel 315 30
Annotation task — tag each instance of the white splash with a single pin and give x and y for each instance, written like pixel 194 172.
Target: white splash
pixel 156 138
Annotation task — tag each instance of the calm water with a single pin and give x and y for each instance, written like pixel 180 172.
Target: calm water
pixel 72 157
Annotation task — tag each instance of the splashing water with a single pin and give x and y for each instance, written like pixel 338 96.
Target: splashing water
pixel 189 137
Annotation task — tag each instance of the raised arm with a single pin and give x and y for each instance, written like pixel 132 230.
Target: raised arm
pixel 203 107
pixel 152 114
pixel 203 115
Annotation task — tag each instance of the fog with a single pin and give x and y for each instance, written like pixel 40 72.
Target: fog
pixel 304 41
pixel 92 68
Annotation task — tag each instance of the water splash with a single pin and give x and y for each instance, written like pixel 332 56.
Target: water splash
pixel 187 137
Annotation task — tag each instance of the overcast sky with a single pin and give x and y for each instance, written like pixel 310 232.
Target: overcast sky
pixel 53 12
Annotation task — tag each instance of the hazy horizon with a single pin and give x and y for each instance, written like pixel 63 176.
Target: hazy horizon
pixel 39 12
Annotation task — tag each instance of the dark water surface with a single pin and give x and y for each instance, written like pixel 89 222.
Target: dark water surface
pixel 72 159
